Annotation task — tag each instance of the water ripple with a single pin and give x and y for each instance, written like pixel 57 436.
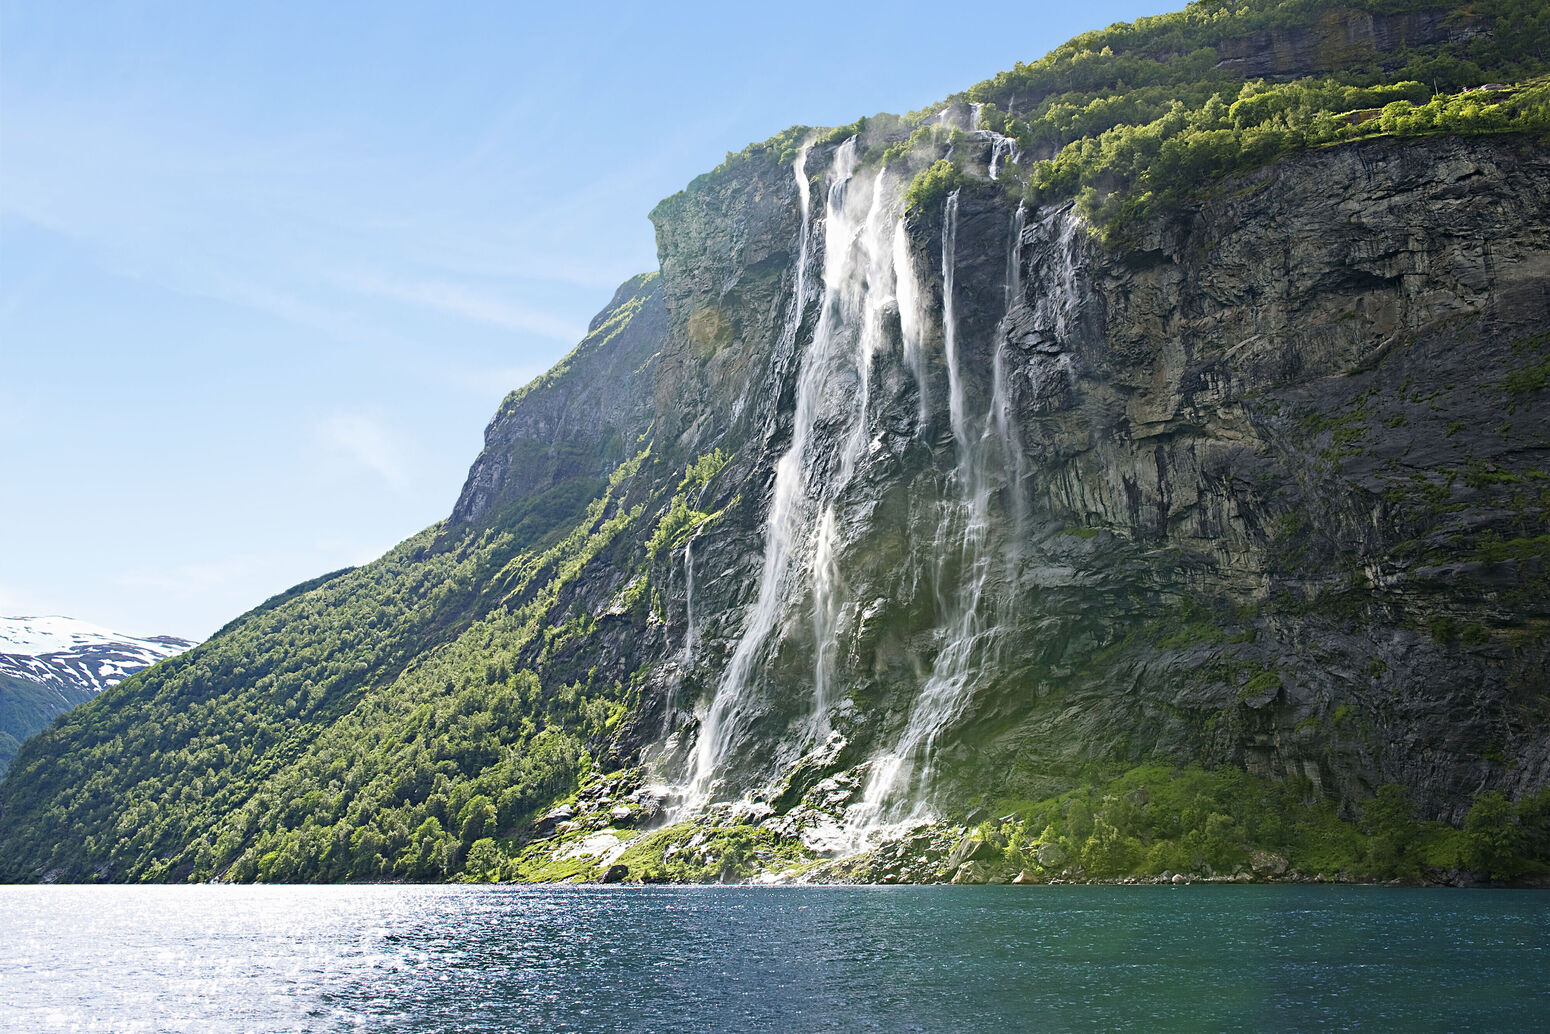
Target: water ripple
pixel 593 959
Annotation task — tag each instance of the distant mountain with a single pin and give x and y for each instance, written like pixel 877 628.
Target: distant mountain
pixel 50 664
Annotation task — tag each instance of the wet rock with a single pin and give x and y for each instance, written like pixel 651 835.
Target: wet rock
pixel 615 874
pixel 652 800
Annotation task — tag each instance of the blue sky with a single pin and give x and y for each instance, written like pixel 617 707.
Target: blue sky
pixel 266 269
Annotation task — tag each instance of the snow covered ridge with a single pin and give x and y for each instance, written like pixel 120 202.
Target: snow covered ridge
pixel 64 651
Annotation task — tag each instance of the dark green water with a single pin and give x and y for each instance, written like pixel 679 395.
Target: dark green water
pixel 1199 958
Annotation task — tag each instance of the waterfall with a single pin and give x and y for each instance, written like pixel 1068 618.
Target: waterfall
pixel 691 635
pixel 982 450
pixel 1001 402
pixel 955 403
pixel 1001 147
pixel 911 300
pixel 718 720
pixel 832 400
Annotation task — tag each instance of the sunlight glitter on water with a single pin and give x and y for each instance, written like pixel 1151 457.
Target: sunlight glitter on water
pixel 793 959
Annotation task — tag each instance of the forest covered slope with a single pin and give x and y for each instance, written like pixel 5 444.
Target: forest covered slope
pixel 1136 463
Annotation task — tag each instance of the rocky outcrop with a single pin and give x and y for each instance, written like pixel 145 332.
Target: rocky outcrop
pixel 1340 38
pixel 558 437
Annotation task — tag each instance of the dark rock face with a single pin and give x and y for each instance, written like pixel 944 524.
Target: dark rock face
pixel 1246 405
pixel 1265 486
pixel 1339 38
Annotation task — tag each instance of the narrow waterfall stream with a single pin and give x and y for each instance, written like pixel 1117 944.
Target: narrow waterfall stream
pixel 1003 416
pixel 691 632
pixel 718 720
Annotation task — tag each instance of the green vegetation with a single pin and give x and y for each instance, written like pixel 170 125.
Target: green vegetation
pixel 1155 819
pixel 680 519
pixel 1132 172
pixel 703 469
pixel 1135 120
pixel 377 723
pixel 26 707
pixel 928 190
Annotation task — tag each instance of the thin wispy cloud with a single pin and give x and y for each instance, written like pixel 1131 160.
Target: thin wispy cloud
pixel 467 303
pixel 196 579
pixel 489 383
pixel 367 443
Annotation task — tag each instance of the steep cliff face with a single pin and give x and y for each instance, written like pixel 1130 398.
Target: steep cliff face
pixel 1341 37
pixel 1295 410
pixel 1258 488
pixel 561 435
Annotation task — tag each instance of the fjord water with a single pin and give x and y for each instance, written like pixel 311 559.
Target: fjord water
pixel 605 959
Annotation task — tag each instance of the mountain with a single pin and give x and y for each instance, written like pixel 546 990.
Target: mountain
pixel 1135 464
pixel 50 664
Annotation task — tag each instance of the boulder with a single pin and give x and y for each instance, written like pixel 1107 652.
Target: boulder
pixel 550 819
pixel 974 872
pixel 973 848
pixel 1050 856
pixel 1268 863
